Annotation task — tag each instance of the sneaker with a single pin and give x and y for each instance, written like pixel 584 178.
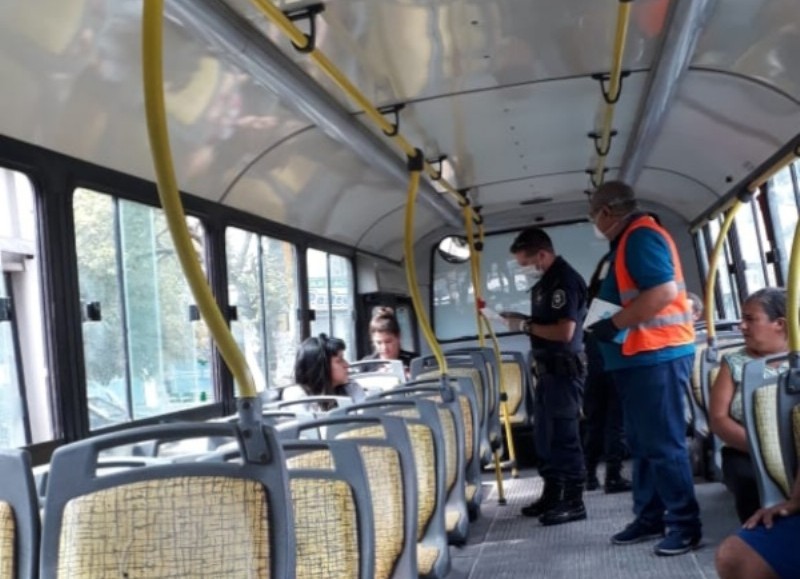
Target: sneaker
pixel 637 532
pixel 677 543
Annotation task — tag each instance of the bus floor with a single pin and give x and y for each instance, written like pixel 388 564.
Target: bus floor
pixel 504 544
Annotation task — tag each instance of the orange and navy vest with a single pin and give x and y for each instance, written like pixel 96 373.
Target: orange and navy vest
pixel 672 325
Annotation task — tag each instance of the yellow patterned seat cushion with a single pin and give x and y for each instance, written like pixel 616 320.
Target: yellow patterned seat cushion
pixel 426 559
pixel 425 461
pixel 7 530
pixel 697 389
pixel 712 377
pixel 466 415
pixel 512 381
pixel 470 492
pixel 451 519
pixel 764 401
pixel 207 526
pixel 450 443
pixel 326 531
pixel 385 481
pixel 462 373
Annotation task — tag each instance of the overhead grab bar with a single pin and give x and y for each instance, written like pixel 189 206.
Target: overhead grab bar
pixel 611 94
pixel 300 40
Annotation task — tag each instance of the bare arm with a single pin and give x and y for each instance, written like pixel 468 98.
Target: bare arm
pixel 731 432
pixel 784 509
pixel 646 305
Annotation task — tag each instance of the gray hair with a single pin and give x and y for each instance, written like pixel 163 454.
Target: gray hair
pixel 616 195
pixel 772 300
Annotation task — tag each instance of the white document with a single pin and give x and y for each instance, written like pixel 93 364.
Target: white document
pixel 492 315
pixel 599 310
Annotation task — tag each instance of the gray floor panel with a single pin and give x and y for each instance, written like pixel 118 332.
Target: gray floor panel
pixel 504 544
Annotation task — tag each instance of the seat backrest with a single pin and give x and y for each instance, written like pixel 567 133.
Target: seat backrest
pixel 332 506
pixel 789 425
pixel 19 517
pixel 431 442
pixel 387 455
pixel 516 376
pixel 159 521
pixel 760 406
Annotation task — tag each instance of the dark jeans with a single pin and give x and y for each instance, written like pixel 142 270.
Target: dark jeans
pixel 652 403
pixel 604 433
pixel 739 478
pixel 556 413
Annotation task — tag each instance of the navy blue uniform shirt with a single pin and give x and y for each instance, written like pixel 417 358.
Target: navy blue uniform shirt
pixel 559 294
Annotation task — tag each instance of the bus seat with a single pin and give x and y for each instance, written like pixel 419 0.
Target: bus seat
pixel 518 382
pixel 457 510
pixel 387 456
pixel 428 442
pixel 332 509
pixel 159 518
pixel 789 427
pixel 19 517
pixel 759 402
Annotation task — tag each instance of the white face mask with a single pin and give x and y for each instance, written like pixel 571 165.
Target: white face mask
pixel 598 233
pixel 530 270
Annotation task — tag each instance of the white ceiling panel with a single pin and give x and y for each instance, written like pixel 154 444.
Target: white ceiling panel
pixel 758 39
pixel 401 50
pixel 519 132
pixel 722 127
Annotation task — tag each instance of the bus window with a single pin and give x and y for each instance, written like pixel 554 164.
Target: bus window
pixel 750 247
pixel 725 278
pixel 331 294
pixel 23 364
pixel 145 354
pixel 262 284
pixel 782 194
pixel 505 287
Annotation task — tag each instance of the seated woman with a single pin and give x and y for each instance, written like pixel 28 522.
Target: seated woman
pixel 321 370
pixel 764 329
pixel 766 546
pixel 384 330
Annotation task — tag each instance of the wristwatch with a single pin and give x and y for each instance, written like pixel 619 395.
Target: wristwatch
pixel 525 327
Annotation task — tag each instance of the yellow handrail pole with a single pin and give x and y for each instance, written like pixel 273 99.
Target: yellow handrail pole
pixel 474 268
pixel 158 133
pixel 793 301
pixel 615 84
pixel 415 168
pixel 713 267
pixel 299 39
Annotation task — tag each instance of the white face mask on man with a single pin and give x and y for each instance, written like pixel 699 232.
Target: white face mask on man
pixel 598 233
pixel 531 270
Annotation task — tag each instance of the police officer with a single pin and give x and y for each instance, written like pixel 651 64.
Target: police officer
pixel 558 306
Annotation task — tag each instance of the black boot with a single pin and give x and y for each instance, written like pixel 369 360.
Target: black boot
pixel 549 497
pixel 570 506
pixel 615 482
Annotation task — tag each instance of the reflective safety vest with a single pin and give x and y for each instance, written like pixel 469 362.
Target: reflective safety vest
pixel 672 325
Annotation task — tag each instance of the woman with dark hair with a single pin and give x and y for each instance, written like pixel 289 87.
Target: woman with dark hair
pixel 764 329
pixel 321 370
pixel 384 330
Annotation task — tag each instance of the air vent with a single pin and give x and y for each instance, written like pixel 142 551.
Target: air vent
pixel 537 201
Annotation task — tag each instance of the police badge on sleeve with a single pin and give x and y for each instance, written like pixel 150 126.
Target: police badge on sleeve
pixel 558 300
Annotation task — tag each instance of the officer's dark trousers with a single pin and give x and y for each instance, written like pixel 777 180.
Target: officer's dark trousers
pixel 604 433
pixel 556 412
pixel 652 403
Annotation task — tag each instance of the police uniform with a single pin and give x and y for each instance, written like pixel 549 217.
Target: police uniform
pixel 560 294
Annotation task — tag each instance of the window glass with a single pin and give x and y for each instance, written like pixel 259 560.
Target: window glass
pixel 24 383
pixel 505 287
pixel 146 354
pixel 12 405
pixel 750 247
pixel 782 200
pixel 331 295
pixel 262 278
pixel 725 279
